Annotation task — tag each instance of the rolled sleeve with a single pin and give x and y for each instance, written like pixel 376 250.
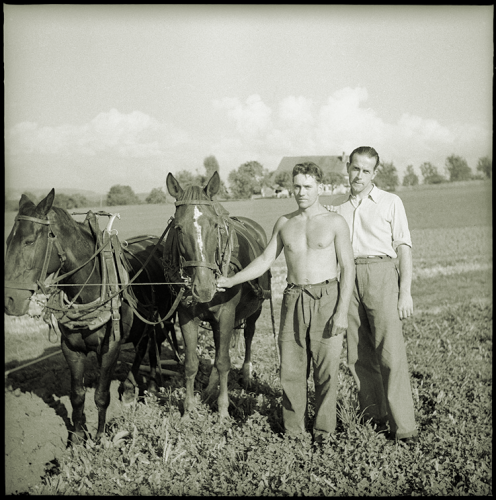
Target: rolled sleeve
pixel 399 225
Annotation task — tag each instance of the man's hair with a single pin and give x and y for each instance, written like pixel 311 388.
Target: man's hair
pixel 308 168
pixel 366 150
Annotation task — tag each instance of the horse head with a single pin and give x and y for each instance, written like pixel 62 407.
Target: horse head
pixel 26 258
pixel 197 225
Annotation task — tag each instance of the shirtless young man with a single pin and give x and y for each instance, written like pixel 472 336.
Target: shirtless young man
pixel 315 305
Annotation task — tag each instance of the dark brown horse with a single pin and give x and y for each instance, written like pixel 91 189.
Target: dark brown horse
pixel 203 244
pixel 90 311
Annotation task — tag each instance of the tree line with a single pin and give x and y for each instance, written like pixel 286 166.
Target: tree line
pixel 250 178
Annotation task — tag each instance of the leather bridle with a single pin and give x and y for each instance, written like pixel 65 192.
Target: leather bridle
pixel 52 240
pixel 221 266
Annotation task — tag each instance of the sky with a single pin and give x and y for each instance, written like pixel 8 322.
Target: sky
pixel 99 95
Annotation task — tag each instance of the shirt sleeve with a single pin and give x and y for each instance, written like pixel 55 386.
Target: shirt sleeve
pixel 399 223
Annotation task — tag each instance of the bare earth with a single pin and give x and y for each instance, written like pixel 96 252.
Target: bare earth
pixel 37 416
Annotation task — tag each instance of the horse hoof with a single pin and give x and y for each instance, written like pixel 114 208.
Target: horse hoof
pixel 223 415
pixel 77 438
pixel 129 403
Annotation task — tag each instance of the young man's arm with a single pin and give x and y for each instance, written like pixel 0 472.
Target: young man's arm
pixel 259 265
pixel 405 301
pixel 344 254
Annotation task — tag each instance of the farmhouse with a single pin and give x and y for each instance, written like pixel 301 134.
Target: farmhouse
pixel 328 164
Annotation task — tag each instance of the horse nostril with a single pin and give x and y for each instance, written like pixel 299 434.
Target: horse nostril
pixel 9 304
pixel 194 291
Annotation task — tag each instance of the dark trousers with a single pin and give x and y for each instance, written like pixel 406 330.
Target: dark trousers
pixel 304 335
pixel 376 349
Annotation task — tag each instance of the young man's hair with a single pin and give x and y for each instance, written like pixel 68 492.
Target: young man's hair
pixel 308 168
pixel 368 151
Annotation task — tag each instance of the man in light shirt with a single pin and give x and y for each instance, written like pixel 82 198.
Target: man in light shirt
pixel 381 299
pixel 314 311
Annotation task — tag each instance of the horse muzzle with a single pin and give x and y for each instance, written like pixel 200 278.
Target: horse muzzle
pixel 203 294
pixel 16 301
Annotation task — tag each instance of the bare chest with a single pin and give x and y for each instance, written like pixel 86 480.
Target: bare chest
pixel 310 235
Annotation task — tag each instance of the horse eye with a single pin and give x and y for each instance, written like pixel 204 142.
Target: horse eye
pixel 29 242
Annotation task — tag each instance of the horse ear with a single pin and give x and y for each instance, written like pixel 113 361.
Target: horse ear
pixel 175 190
pixel 24 202
pixel 45 205
pixel 213 185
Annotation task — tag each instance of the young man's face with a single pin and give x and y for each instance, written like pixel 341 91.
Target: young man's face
pixel 361 172
pixel 306 190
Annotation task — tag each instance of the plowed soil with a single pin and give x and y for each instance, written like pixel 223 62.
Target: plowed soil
pixel 38 416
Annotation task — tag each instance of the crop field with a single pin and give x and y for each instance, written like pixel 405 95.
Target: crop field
pixel 150 450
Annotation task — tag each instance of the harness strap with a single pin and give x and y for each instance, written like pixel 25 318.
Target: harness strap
pixel 194 202
pixel 45 222
pixel 198 263
pixel 108 255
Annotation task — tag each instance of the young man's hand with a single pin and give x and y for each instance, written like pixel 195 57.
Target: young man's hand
pixel 223 283
pixel 339 324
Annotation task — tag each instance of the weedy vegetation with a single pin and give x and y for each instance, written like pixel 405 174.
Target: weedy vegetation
pixel 149 449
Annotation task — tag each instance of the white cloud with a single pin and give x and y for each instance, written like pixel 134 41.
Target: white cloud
pixel 252 118
pixel 297 126
pixel 126 135
pixel 113 146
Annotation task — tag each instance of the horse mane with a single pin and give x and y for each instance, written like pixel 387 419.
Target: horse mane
pixel 193 193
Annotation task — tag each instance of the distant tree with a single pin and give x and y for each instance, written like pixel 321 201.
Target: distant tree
pixel 186 179
pixel 156 196
pixel 387 176
pixel 457 168
pixel 68 202
pixel 211 165
pixel 485 166
pixel 121 195
pixel 11 205
pixel 32 197
pixel 430 174
pixel 410 178
pixel 247 179
pixel 334 179
pixel 284 179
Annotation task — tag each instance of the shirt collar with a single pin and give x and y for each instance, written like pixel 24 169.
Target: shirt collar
pixel 374 194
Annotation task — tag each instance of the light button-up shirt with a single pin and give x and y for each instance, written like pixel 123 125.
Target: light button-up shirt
pixel 378 224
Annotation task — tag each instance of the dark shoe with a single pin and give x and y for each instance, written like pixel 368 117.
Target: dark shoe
pixel 409 441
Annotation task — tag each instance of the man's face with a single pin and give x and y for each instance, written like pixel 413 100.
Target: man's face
pixel 361 172
pixel 306 190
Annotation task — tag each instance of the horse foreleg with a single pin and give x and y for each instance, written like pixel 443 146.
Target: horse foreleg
pixel 128 386
pixel 75 360
pixel 189 331
pixel 222 337
pixel 154 351
pixel 102 392
pixel 249 332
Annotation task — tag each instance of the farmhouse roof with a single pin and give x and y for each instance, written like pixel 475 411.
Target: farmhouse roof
pixel 326 163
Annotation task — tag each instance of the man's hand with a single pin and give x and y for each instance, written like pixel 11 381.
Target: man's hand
pixel 339 324
pixel 405 305
pixel 331 208
pixel 223 283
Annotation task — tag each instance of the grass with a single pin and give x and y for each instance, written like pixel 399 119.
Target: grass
pixel 150 450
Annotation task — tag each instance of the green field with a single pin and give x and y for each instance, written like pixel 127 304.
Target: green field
pixel 151 450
